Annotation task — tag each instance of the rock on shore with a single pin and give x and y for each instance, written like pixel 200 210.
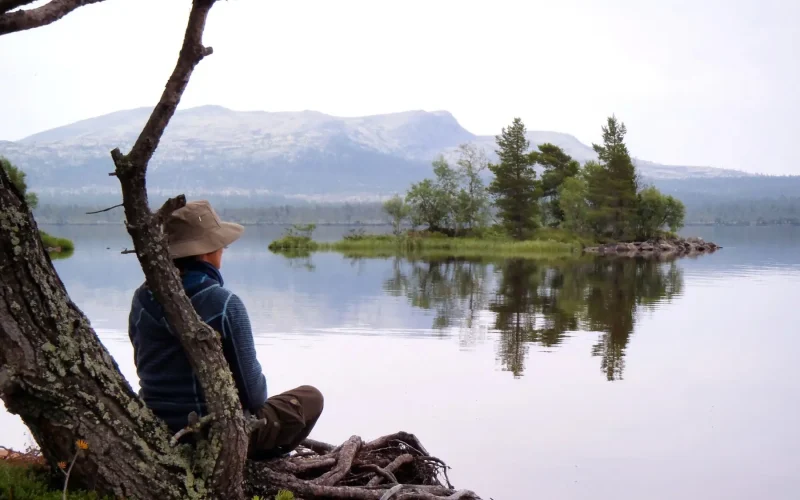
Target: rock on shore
pixel 657 247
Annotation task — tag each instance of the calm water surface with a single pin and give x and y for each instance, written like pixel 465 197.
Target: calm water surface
pixel 589 380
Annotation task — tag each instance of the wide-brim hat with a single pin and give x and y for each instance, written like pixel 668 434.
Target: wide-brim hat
pixel 196 229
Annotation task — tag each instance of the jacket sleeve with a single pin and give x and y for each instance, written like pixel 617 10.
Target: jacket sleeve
pixel 240 351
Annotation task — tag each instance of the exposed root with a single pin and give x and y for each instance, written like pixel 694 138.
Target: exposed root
pixel 31 456
pixel 393 467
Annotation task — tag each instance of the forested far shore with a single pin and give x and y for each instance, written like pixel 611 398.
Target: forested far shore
pixel 745 212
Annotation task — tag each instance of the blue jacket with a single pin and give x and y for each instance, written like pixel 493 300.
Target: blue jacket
pixel 168 384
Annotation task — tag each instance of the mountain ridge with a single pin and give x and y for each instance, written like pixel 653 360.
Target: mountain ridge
pixel 305 154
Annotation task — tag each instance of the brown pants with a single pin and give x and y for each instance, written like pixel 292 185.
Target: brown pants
pixel 290 417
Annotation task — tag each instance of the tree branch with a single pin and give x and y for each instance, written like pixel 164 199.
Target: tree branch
pixel 21 20
pixel 191 54
pixel 104 210
pixel 168 207
pixel 389 469
pixel 318 446
pixel 195 425
pixel 227 436
pixel 7 5
pixel 381 474
pixel 346 456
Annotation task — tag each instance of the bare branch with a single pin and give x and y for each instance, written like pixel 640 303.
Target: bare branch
pixel 381 474
pixel 7 5
pixel 429 496
pixel 104 210
pixel 168 207
pixel 336 475
pixel 389 469
pixel 21 20
pixel 195 425
pixel 199 340
pixel 409 440
pixel 127 251
pixel 191 54
pixel 389 494
pixel 311 464
pixel 346 456
pixel 318 446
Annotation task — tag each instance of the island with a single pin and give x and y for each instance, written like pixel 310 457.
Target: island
pixel 537 203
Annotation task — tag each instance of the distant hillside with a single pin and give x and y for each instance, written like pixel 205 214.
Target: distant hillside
pixel 269 157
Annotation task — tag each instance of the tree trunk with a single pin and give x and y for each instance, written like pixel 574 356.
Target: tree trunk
pixel 57 376
pixel 224 452
pixel 51 394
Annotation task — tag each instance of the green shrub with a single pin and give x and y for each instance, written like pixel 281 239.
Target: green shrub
pixel 27 482
pixel 297 237
pixel 293 242
pixel 355 234
pixel 56 242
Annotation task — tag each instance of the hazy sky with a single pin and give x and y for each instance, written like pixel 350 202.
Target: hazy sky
pixel 697 82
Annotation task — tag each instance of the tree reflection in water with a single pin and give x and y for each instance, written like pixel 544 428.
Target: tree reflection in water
pixel 539 303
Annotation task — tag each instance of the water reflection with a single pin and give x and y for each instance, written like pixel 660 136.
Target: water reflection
pixel 535 303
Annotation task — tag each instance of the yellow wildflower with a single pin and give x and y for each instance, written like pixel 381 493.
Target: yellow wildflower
pixel 81 444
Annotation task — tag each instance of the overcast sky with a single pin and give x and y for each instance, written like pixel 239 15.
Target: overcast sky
pixel 697 82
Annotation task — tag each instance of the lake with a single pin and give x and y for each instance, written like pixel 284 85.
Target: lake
pixel 597 379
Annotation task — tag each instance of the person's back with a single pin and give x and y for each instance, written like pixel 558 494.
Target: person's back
pixel 168 384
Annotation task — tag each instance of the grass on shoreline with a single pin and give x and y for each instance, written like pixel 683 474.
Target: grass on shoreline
pixel 546 242
pixel 49 241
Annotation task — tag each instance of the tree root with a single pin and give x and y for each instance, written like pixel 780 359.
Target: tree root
pixel 393 467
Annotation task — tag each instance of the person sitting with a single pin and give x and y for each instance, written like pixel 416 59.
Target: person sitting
pixel 169 387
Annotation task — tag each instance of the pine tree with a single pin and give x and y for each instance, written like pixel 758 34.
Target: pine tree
pixel 613 186
pixel 558 167
pixel 514 185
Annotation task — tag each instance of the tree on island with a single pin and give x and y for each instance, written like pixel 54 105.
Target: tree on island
pixel 612 185
pixel 600 200
pixel 655 211
pixel 60 379
pixel 514 186
pixel 455 200
pixel 558 167
pixel 473 200
pixel 616 208
pixel 397 209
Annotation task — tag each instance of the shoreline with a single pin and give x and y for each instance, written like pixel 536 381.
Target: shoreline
pixel 657 247
pixel 386 224
pixel 382 246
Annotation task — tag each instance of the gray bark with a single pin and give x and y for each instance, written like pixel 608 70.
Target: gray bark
pixel 226 447
pixel 57 376
pixel 21 20
pixel 215 468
